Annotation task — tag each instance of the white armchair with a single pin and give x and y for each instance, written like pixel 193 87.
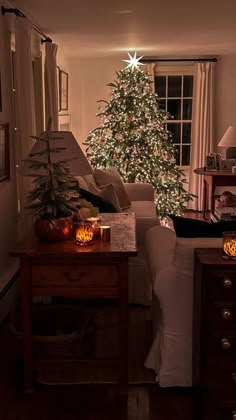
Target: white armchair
pixel 170 261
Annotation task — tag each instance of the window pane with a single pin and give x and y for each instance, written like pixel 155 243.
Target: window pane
pixel 185 155
pixel 174 86
pixel 175 130
pixel 162 104
pixel 186 132
pixel 174 108
pixel 160 85
pixel 177 154
pixel 187 109
pixel 188 86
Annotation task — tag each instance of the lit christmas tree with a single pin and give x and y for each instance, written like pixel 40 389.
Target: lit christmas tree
pixel 133 138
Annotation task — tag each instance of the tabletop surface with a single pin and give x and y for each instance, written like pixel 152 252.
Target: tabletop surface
pixel 213 172
pixel 123 241
pixel 214 257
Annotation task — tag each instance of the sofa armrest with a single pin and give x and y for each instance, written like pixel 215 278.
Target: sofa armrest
pixel 140 191
pixel 160 244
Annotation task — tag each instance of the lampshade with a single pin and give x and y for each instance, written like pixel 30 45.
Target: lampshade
pixel 78 166
pixel 229 138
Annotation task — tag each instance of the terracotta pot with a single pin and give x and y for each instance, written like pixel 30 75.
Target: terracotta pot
pixel 54 230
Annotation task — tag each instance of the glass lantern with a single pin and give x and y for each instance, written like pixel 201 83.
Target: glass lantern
pixel 84 233
pixel 229 245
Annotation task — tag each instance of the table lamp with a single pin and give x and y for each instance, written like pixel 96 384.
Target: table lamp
pixel 79 165
pixel 228 141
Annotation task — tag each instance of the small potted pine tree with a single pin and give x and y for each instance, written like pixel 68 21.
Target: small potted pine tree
pixel 54 198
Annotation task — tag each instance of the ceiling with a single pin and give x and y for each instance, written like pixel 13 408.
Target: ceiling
pixel 86 28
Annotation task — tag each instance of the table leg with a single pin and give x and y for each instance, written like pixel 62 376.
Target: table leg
pixel 212 204
pixel 204 198
pixel 123 280
pixel 27 325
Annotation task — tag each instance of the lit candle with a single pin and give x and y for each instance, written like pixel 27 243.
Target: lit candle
pixel 105 233
pixel 84 233
pixel 229 245
pixel 96 223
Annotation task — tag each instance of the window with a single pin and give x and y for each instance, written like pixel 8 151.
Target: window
pixel 175 91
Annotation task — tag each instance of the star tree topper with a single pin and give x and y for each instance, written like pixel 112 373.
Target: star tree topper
pixel 133 62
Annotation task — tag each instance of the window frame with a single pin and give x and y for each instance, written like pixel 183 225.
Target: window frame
pixel 177 69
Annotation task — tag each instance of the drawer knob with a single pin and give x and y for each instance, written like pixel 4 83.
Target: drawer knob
pixel 234 380
pixel 226 314
pixel 227 282
pixel 234 415
pixel 75 276
pixel 225 343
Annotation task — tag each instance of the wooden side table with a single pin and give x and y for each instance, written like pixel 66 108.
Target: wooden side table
pixel 211 180
pixel 99 270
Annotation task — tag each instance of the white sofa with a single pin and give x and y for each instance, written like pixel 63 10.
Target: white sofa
pixel 170 261
pixel 141 196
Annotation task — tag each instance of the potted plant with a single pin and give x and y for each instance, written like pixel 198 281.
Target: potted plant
pixel 54 198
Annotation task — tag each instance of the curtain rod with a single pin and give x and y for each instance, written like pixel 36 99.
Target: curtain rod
pixel 17 12
pixel 154 60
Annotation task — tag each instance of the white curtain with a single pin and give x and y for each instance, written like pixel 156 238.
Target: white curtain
pixel 202 128
pixel 51 95
pixel 25 114
pixel 149 68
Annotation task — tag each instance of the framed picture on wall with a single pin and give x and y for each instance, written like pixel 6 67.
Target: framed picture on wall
pixel 4 152
pixel 63 87
pixel 64 122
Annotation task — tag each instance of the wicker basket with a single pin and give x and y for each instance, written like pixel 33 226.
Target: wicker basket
pixel 59 331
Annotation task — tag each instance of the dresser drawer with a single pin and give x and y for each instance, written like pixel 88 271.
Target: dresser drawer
pixel 221 383
pixel 81 276
pixel 221 283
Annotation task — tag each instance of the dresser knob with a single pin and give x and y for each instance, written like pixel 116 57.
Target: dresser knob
pixel 233 415
pixel 225 344
pixel 226 314
pixel 234 380
pixel 227 282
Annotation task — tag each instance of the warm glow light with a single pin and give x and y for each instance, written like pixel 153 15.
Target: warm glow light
pixel 133 62
pixel 229 244
pixel 84 233
pixel 96 223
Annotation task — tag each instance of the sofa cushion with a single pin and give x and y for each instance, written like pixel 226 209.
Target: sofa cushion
pixel 85 181
pixel 192 228
pixel 112 176
pixel 106 193
pixel 102 205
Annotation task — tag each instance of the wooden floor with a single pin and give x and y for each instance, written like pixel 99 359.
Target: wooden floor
pixel 146 401
pixel 87 402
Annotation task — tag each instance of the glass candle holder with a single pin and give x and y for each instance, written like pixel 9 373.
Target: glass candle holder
pixel 105 233
pixel 96 223
pixel 229 245
pixel 83 233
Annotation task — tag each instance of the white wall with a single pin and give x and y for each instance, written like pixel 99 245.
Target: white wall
pixel 88 84
pixel 8 207
pixel 225 95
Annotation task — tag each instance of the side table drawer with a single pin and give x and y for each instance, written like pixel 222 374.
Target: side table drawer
pixel 80 276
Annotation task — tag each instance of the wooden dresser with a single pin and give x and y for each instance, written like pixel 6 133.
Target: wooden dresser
pixel 214 336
